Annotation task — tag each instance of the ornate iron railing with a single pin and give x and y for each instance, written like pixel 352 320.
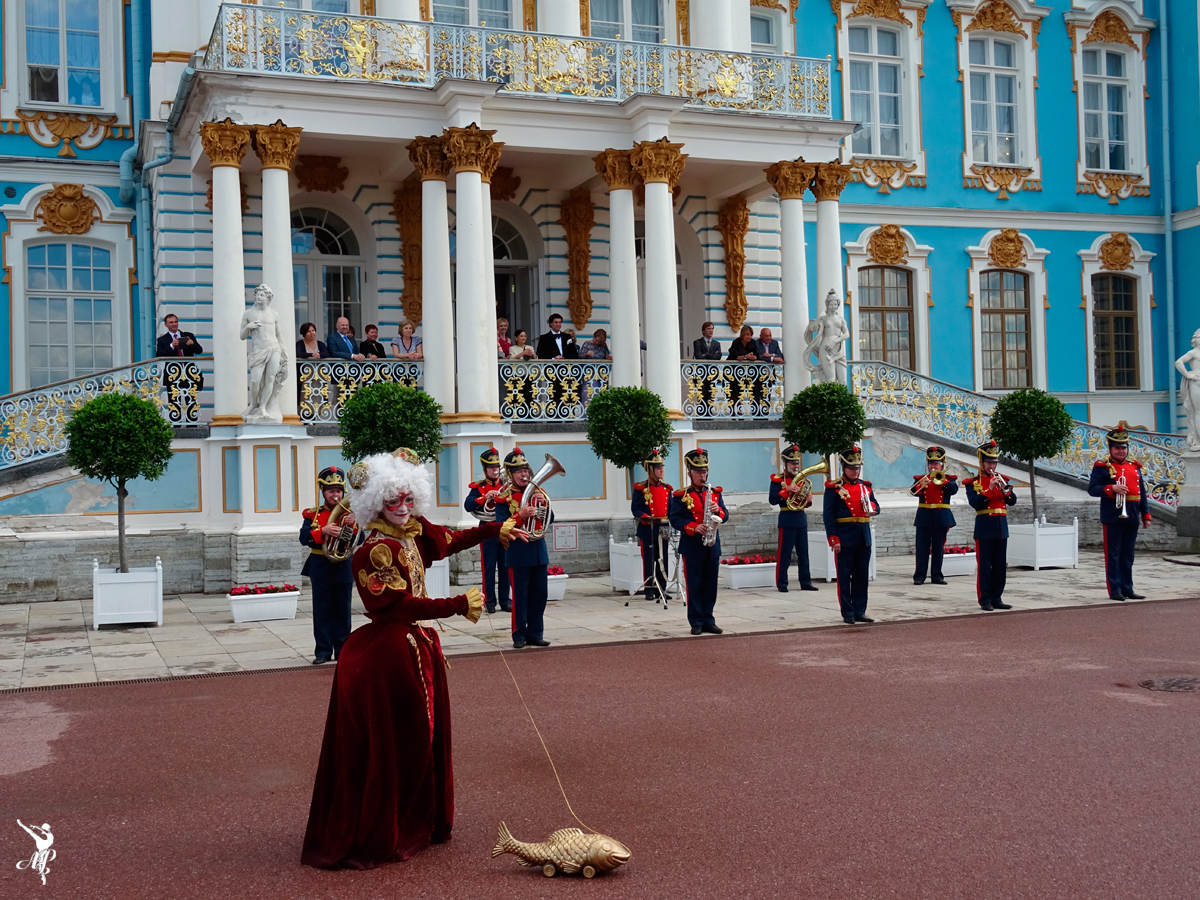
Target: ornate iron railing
pixel 550 390
pixel 326 384
pixel 946 411
pixel 269 40
pixel 732 390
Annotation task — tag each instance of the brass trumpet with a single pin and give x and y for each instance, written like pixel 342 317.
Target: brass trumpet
pixel 936 477
pixel 799 500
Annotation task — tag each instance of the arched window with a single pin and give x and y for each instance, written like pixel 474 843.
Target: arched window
pixel 70 318
pixel 507 243
pixel 325 253
pixel 885 315
pixel 1005 343
pixel 1114 326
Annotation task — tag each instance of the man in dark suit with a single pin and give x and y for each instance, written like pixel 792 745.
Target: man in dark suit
pixel 340 344
pixel 705 347
pixel 176 342
pixel 555 344
pixel 768 348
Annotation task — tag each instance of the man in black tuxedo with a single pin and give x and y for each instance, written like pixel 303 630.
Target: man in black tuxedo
pixel 705 347
pixel 555 344
pixel 176 342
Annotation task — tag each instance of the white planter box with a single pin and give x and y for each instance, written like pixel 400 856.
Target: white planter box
pixel 437 579
pixel 263 607
pixel 556 586
pixel 958 564
pixel 1041 545
pixel 822 563
pixel 754 575
pixel 120 598
pixel 624 565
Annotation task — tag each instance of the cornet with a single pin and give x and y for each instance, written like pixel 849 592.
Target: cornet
pixel 1124 513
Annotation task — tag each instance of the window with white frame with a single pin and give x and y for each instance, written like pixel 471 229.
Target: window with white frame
pixel 764 33
pixel 876 95
pixel 1106 102
pixel 496 13
pixel 637 20
pixel 1005 329
pixel 1115 331
pixel 62 44
pixel 341 7
pixel 885 315
pixel 70 311
pixel 995 85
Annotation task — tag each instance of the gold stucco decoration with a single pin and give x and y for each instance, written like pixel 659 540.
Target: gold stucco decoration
pixel 769 4
pixel 530 18
pixel 66 210
pixel 616 167
pixel 406 207
pixel 489 161
pixel 1116 253
pixel 585 18
pixel 683 22
pixel 577 215
pixel 658 162
pixel 321 173
pixel 996 15
pixel 1109 28
pixel 831 179
pixel 733 221
pixel 1001 180
pixel 467 148
pixel 72 130
pixel 276 145
pixel 429 157
pixel 885 174
pixel 1007 250
pixel 791 178
pixel 1116 186
pixel 504 184
pixel 225 143
pixel 880 9
pixel 887 246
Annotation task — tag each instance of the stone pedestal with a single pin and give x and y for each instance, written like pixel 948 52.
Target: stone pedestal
pixel 1187 518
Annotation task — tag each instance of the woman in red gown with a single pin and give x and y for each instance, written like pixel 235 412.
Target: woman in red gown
pixel 385 783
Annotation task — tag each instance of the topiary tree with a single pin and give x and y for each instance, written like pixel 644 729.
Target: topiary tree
pixel 116 438
pixel 625 424
pixel 382 417
pixel 824 419
pixel 1029 424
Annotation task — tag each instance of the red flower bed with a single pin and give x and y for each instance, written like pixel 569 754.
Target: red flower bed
pixel 748 560
pixel 555 570
pixel 959 549
pixel 241 590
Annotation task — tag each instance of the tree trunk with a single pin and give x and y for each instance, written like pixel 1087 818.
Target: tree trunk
pixel 121 495
pixel 1033 488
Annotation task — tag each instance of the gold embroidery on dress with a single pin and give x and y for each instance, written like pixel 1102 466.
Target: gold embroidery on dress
pixel 386 575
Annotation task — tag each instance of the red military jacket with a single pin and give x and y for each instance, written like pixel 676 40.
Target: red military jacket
pixel 316 519
pixel 693 499
pixel 656 497
pixel 485 487
pixel 997 500
pixel 933 496
pixel 1130 469
pixel 856 496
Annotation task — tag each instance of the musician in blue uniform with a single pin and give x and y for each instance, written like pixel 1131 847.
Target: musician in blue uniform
pixel 491 550
pixel 649 507
pixel 990 496
pixel 792 493
pixel 701 564
pixel 933 490
pixel 332 582
pixel 1118 481
pixel 849 506
pixel 527 561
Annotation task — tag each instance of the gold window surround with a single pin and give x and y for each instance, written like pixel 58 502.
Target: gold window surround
pixel 1119 253
pixel 682 16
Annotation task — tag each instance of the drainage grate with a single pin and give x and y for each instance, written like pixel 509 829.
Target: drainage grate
pixel 1186 683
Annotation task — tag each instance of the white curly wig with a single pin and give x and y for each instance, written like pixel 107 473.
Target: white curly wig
pixel 388 476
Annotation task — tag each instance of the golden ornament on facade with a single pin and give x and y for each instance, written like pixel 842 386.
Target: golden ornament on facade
pixel 658 162
pixel 1116 186
pixel 406 207
pixel 1007 250
pixel 1109 28
pixel 467 148
pixel 577 215
pixel 887 246
pixel 616 167
pixel 880 9
pixel 276 145
pixel 1002 179
pixel 66 210
pixel 530 17
pixel 791 178
pixel 321 173
pixel 71 130
pixel 489 161
pixel 225 143
pixel 996 15
pixel 504 184
pixel 831 179
pixel 683 21
pixel 769 4
pixel 885 174
pixel 242 190
pixel 1116 253
pixel 429 157
pixel 733 221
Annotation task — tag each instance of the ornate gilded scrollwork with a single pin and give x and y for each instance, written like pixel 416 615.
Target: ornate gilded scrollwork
pixel 325 385
pixel 996 15
pixel 428 156
pixel 276 145
pixel 831 179
pixel 658 162
pixel 1109 28
pixel 577 215
pixel 504 184
pixel 1116 186
pixel 791 178
pixel 225 143
pixel 72 130
pixel 880 9
pixel 732 390
pixel 406 207
pixel 733 221
pixel 887 246
pixel 321 173
pixel 616 167
pixel 66 210
pixel 183 381
pixel 1002 180
pixel 885 174
pixel 550 391
pixel 468 149
pixel 1116 253
pixel 1007 250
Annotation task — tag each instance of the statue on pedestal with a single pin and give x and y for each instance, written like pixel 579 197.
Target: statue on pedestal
pixel 267 358
pixel 1190 388
pixel 826 337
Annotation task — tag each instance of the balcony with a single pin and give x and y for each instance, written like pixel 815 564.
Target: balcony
pixel 263 40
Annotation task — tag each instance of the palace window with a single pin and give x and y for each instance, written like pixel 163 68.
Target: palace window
pixel 327 267
pixel 885 316
pixel 995 82
pixel 764 34
pixel 63 52
pixel 1114 328
pixel 70 319
pixel 496 13
pixel 1106 101
pixel 875 91
pixel 1005 330
pixel 637 20
pixel 339 7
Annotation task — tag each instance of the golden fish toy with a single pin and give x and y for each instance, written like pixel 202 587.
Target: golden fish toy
pixel 568 850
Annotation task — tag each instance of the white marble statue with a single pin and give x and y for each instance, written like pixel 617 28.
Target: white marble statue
pixel 1190 386
pixel 826 338
pixel 267 358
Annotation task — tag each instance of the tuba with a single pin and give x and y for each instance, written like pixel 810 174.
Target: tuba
pixel 797 502
pixel 341 548
pixel 535 495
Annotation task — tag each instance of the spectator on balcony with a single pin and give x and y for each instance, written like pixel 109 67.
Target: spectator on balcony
pixel 555 343
pixel 371 348
pixel 767 348
pixel 597 347
pixel 744 349
pixel 503 344
pixel 308 347
pixel 520 348
pixel 176 342
pixel 342 344
pixel 705 347
pixel 407 345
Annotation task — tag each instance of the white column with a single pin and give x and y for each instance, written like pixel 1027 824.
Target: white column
pixel 626 328
pixel 437 318
pixel 491 375
pixel 662 298
pixel 557 17
pixel 790 180
pixel 719 25
pixel 829 250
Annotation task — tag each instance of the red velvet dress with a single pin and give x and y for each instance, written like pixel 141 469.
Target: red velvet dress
pixel 385 782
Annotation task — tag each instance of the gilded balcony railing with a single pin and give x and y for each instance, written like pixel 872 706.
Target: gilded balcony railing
pixel 732 390
pixel 945 411
pixel 274 41
pixel 550 390
pixel 326 384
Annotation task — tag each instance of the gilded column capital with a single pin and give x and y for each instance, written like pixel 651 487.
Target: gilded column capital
pixel 830 179
pixel 276 145
pixel 489 161
pixel 658 162
pixel 429 157
pixel 616 167
pixel 467 148
pixel 791 178
pixel 225 143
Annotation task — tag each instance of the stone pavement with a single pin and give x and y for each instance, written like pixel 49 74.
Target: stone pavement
pixel 53 643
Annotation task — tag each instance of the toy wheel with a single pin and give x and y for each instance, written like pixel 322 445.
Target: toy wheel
pixel 589 871
pixel 548 870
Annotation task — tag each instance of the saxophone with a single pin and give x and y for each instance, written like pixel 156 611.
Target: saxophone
pixel 711 518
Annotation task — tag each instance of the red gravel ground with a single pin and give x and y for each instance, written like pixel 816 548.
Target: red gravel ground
pixel 1009 755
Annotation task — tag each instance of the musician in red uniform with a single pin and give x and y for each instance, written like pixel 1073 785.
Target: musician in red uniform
pixel 848 507
pixel 1117 480
pixel 649 507
pixel 934 518
pixel 491 551
pixel 990 496
pixel 331 581
pixel 701 561
pixel 792 493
